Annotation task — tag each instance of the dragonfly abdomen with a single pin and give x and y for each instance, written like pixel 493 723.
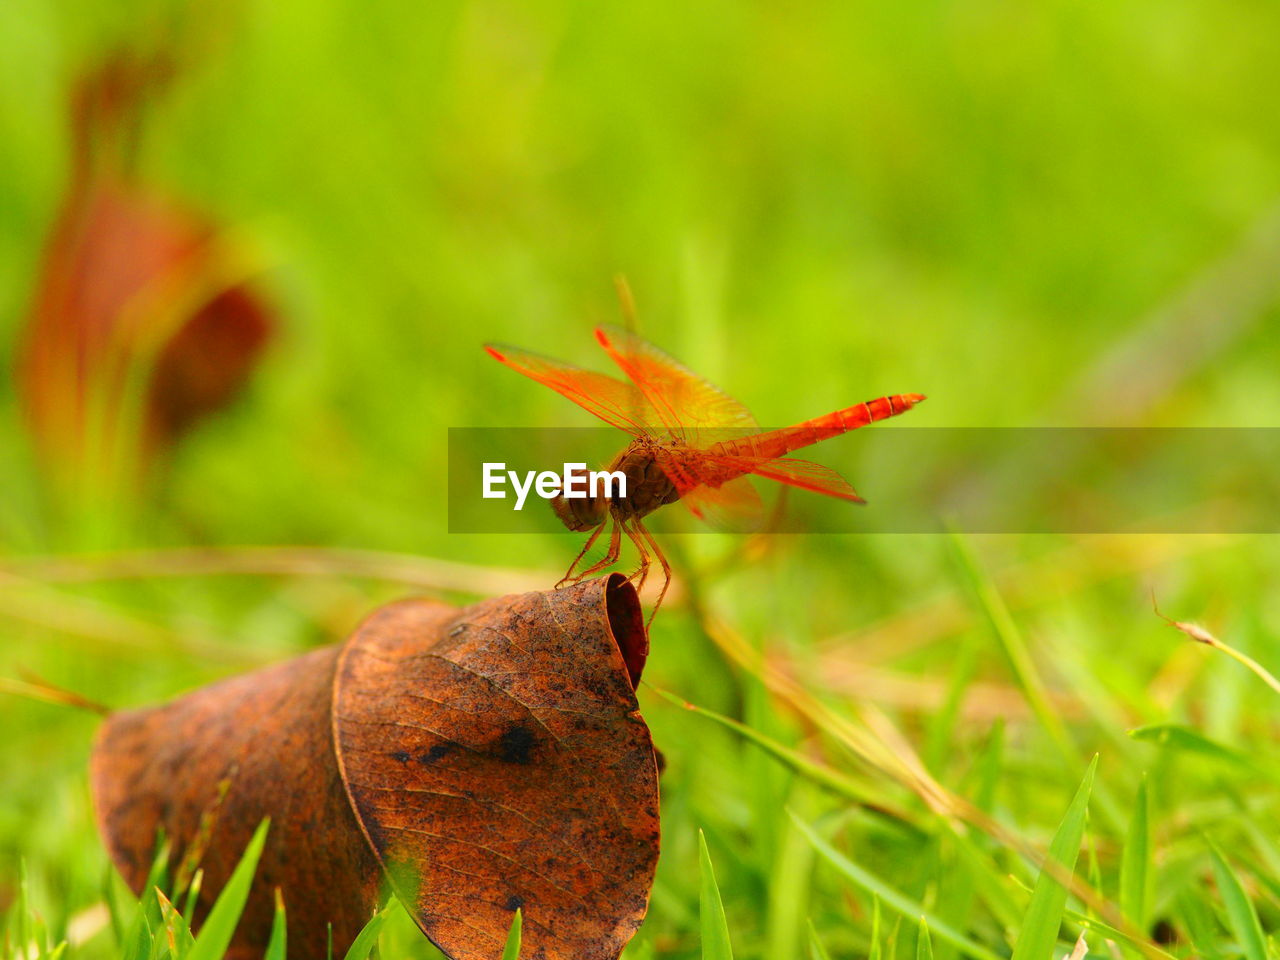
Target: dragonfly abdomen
pixel 779 443
pixel 850 418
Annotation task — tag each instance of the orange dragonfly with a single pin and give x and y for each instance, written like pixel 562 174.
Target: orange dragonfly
pixel 690 442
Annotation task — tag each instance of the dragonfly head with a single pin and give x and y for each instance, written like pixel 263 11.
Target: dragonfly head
pixel 580 513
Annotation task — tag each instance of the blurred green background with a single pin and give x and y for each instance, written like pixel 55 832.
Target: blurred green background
pixel 1045 213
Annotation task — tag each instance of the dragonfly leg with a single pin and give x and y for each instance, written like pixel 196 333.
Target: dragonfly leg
pixel 569 576
pixel 611 557
pixel 662 561
pixel 637 534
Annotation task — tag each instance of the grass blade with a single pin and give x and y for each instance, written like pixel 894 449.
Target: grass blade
pixel 924 946
pixel 176 930
pixel 789 887
pixel 276 945
pixel 138 941
pixel 942 724
pixel 1012 643
pixel 1049 898
pixel 23 908
pixel 215 935
pixel 990 768
pixel 1241 915
pixel 367 938
pixel 1200 924
pixel 1135 863
pixel 193 893
pixel 1094 867
pixel 816 950
pixel 138 947
pixel 113 906
pixel 715 928
pixel 988 880
pixel 512 950
pixel 1177 737
pixel 794 760
pixel 1119 936
pixel 901 903
pixel 955 899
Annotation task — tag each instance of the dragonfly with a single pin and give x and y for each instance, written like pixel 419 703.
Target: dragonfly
pixel 690 441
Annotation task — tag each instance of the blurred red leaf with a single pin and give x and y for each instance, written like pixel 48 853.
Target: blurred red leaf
pixel 141 320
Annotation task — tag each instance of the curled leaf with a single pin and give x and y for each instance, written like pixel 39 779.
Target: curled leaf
pixel 483 761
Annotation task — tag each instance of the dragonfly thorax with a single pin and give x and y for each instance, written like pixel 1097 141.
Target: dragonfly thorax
pixel 647 486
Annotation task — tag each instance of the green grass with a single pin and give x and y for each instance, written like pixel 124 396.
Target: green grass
pixel 814 206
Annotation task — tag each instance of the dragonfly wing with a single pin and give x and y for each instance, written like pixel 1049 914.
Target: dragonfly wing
pixel 685 401
pixel 808 475
pixel 621 404
pixel 804 474
pixel 735 505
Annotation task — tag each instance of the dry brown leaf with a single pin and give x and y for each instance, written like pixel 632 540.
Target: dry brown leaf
pixel 484 760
